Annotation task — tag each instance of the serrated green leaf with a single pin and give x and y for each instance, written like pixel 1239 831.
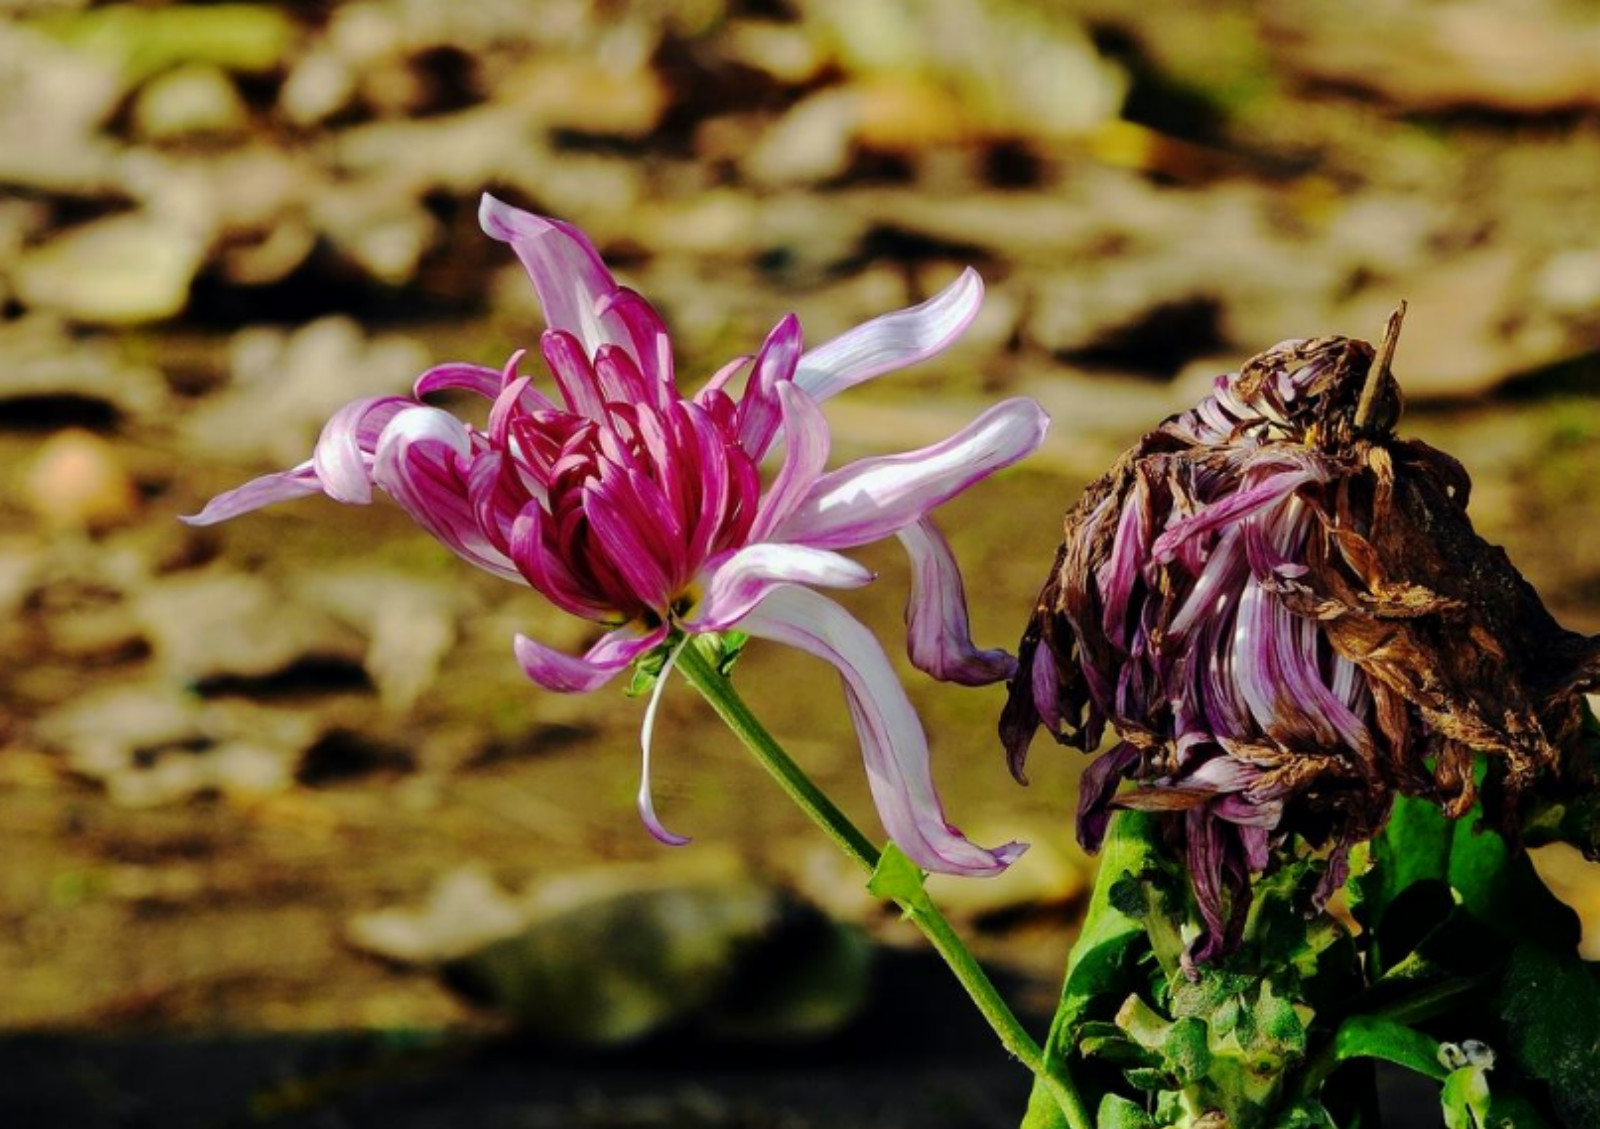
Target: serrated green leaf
pixel 1119 1113
pixel 1187 1050
pixel 1367 1036
pixel 1148 1078
pixel 896 878
pixel 1551 1006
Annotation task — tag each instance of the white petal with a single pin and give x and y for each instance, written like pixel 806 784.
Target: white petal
pixel 872 498
pixel 745 578
pixel 892 341
pixel 647 803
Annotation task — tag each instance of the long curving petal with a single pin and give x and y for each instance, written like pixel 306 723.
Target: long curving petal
pixel 577 292
pixel 872 498
pixel 892 740
pixel 806 441
pixel 282 486
pixel 892 341
pixel 555 670
pixel 938 634
pixel 745 578
pixel 647 732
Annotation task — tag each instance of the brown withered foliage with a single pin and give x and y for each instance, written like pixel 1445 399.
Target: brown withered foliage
pixel 1283 610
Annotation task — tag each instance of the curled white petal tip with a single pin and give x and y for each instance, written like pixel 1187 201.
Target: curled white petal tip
pixel 893 744
pixel 746 578
pixel 504 222
pixel 647 804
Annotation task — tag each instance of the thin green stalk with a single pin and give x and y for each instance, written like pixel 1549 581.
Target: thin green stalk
pixel 703 675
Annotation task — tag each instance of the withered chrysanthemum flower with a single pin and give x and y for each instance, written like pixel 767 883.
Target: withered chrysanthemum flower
pixel 1284 613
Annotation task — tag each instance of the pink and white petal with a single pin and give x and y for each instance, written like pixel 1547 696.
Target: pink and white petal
pixel 578 674
pixel 282 486
pixel 759 410
pixel 577 292
pixel 419 464
pixel 806 441
pixel 628 309
pixel 343 455
pixel 872 498
pixel 745 578
pixel 892 341
pixel 892 740
pixel 458 377
pixel 721 377
pixel 938 634
pixel 544 570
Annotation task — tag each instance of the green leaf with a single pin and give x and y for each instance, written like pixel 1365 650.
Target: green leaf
pixel 1465 1098
pixel 1513 1111
pixel 647 669
pixel 1119 1113
pixel 1414 847
pixel 1102 963
pixel 896 878
pixel 1551 1006
pixel 1422 864
pixel 1367 1036
pixel 1187 1050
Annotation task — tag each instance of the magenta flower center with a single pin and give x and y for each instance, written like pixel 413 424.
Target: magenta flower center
pixel 636 499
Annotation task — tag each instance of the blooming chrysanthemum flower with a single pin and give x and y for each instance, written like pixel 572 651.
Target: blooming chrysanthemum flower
pixel 625 502
pixel 1283 612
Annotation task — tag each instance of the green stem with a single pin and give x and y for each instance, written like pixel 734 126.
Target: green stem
pixel 718 690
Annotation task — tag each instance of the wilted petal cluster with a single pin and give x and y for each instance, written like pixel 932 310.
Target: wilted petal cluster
pixel 622 500
pixel 1284 616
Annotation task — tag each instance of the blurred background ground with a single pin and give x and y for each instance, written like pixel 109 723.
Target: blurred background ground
pixel 228 758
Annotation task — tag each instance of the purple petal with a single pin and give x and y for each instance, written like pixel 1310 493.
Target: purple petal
pixel 258 492
pixel 1096 790
pixel 938 635
pixel 744 579
pixel 806 440
pixel 577 292
pixel 759 410
pixel 892 341
pixel 343 456
pixel 458 377
pixel 419 465
pixel 1229 510
pixel 892 740
pixel 572 674
pixel 872 498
